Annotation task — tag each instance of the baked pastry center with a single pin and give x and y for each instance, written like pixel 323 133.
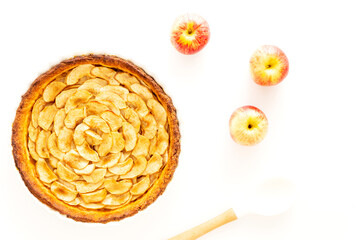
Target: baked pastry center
pixel 99 137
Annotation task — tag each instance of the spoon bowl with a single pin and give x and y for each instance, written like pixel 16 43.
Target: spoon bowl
pixel 271 197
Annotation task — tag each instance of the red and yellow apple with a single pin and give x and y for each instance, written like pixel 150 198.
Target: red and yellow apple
pixel 190 33
pixel 248 125
pixel 269 65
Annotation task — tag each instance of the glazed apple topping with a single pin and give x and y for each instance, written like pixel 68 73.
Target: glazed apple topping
pixel 99 137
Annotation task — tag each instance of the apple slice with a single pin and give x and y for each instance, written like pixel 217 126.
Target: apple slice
pixel 87 152
pixel 74 202
pixel 46 116
pixel 142 91
pixel 80 96
pixel 113 98
pixel 122 167
pixel 78 72
pixel 32 150
pixel 79 133
pixel 115 187
pixel 114 121
pixel 162 140
pixel 96 176
pixel 93 138
pixel 65 139
pixel 109 160
pixel 154 164
pixel 92 87
pixel 33 132
pixel 138 104
pixel 66 173
pixel 62 98
pixel 96 122
pixel 85 187
pixel 158 111
pixel 38 106
pixel 131 116
pixel 53 161
pixel 59 121
pixel 121 91
pixel 138 168
pixel 141 186
pixel 95 108
pixel 149 126
pixel 90 205
pixel 74 160
pixel 111 106
pixel 52 90
pixel 118 142
pixel 142 146
pixel 106 144
pixel 129 136
pixel 41 144
pixel 74 117
pixel 99 81
pixel 86 170
pixel 44 171
pixel 92 197
pixel 126 79
pixel 104 73
pixel 63 192
pixel 112 199
pixel 53 148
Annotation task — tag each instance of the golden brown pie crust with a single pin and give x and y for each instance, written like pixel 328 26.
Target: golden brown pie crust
pixel 25 164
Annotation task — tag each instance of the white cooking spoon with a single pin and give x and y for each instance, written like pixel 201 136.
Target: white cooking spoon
pixel 272 197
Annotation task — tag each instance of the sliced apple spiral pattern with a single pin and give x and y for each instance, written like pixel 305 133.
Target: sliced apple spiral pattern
pixel 99 137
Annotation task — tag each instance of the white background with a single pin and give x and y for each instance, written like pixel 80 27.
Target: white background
pixel 313 114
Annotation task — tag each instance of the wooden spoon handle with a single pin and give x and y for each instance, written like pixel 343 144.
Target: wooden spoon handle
pixel 206 227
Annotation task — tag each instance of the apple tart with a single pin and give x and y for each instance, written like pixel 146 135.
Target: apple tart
pixel 96 138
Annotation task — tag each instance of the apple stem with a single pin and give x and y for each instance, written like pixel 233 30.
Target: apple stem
pixel 190 29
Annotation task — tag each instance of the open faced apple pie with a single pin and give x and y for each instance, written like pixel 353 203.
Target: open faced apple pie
pixel 96 138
